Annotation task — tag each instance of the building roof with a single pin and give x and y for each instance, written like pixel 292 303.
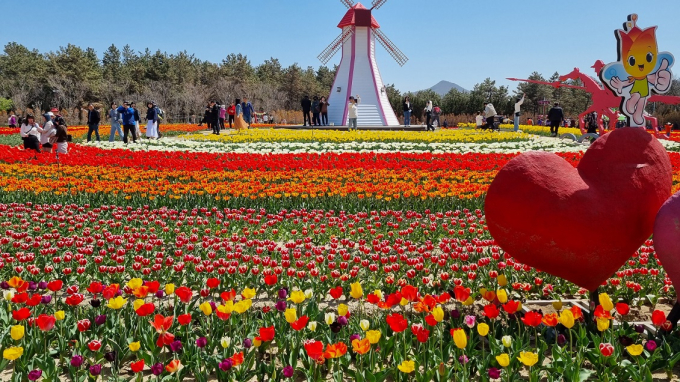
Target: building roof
pixel 350 17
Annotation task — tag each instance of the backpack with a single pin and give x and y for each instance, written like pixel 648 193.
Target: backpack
pixel 159 112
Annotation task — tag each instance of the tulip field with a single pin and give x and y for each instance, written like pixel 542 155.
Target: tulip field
pixel 275 255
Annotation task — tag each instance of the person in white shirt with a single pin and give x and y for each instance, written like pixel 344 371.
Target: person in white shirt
pixel 489 114
pixel 353 112
pixel 30 133
pixel 48 132
pixel 479 120
pixel 518 104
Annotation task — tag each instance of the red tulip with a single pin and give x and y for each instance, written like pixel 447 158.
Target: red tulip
pixel 45 322
pixel 314 349
pixel 34 300
pixel 511 306
pixel 622 308
pixel 55 285
pixel 606 349
pixel 212 283
pixel 271 279
pixel 410 293
pixel 532 319
pixel 74 299
pixel 266 334
pixel 184 294
pixel 83 325
pixel 229 295
pixel 184 319
pixel 397 322
pixel 94 345
pixel 300 324
pixel 658 317
pixel 491 311
pixel 145 309
pixel 21 314
pixel 461 293
pixel 336 292
pixel 138 366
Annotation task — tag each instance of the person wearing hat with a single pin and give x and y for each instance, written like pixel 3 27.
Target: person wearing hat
pixel 48 132
pixel 57 119
pixel 128 114
pixel 93 120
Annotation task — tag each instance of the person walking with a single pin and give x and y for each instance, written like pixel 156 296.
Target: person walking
pixel 306 109
pixel 316 111
pixel 353 111
pixel 489 115
pixel 214 117
pixel 436 112
pixel 137 119
pixel 223 116
pixel 231 111
pixel 248 111
pixel 324 111
pixel 128 115
pixel 93 120
pixel 518 104
pixel 160 114
pixel 239 122
pixel 428 115
pixel 555 116
pixel 30 133
pixel 408 109
pixel 206 117
pixel 151 121
pixel 115 118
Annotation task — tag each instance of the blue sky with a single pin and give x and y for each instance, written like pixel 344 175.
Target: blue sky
pixel 459 41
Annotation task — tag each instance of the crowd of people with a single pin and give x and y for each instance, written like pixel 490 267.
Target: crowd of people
pixel 126 116
pixel 315 111
pixel 239 115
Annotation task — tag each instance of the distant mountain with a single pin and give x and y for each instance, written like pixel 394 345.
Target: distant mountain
pixel 444 87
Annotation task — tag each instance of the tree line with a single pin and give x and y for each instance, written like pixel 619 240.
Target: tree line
pixel 181 84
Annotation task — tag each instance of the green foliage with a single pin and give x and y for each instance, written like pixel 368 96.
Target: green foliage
pixel 6 104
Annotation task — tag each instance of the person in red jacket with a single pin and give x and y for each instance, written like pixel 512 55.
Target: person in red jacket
pixel 231 111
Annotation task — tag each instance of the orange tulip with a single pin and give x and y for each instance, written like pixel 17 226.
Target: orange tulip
pixel 361 346
pixel 335 350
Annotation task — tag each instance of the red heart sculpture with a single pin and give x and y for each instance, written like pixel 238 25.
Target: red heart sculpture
pixel 667 238
pixel 580 224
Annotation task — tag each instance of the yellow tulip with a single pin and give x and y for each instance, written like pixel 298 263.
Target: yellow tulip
pixel 567 318
pixel 606 302
pixel 291 315
pixel 483 329
pixel 407 367
pixel 248 293
pixel 169 289
pixel 634 350
pixel 59 315
pixel 256 342
pixel 138 303
pixel 226 308
pixel 528 358
pixel 116 303
pixel 373 336
pixel 206 308
pixel 602 324
pixel 557 305
pixel 469 301
pixel 507 341
pixel 312 326
pixel 297 297
pixel 135 283
pixel 17 332
pixel 502 280
pixel 343 310
pixel 242 306
pixel 356 292
pixel 134 346
pixel 503 359
pixel 12 353
pixel 460 338
pixel 364 325
pixel 438 313
pixel 502 296
pixel 403 302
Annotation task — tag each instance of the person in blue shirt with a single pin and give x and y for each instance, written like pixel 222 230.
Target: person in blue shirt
pixel 128 115
pixel 248 111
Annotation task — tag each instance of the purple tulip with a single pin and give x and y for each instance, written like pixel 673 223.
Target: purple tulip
pixel 77 361
pixel 640 329
pixel 119 293
pixel 342 320
pixel 159 294
pixel 213 305
pixel 335 327
pixel 32 285
pixel 110 356
pixel 561 340
pixel 354 337
pixel 42 285
pixel 175 346
pixel 100 320
pixel 494 373
pixel 281 305
pixel 4 285
pixel 463 359
pixel 625 340
pixel 201 342
pixel 46 299
pixel 247 343
pixel 650 345
pixel 96 369
pixel 283 293
pixel 157 369
pixel 288 371
pixel 95 303
pixel 455 314
pixel 226 364
pixel 33 375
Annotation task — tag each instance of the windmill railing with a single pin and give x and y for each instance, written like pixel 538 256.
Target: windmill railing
pixel 391 49
pixel 334 46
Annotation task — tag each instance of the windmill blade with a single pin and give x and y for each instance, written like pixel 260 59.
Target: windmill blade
pixel 348 3
pixel 392 49
pixel 333 47
pixel 378 3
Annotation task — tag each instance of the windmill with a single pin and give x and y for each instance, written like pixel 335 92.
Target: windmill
pixel 358 72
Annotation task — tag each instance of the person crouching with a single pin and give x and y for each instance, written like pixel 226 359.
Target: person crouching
pixel 30 133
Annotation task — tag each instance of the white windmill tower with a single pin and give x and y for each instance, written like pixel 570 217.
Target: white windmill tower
pixel 358 72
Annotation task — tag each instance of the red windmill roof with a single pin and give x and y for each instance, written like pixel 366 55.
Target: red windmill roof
pixel 351 19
